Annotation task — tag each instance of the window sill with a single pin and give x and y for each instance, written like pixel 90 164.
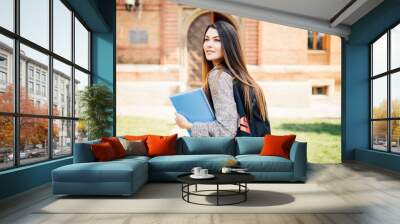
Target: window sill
pixel 26 167
pixel 310 51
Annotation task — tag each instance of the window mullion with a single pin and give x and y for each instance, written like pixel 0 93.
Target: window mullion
pixel 16 85
pixel 50 81
pixel 73 82
pixel 389 77
pixel 371 142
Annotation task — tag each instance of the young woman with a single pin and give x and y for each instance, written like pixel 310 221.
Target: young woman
pixel 237 100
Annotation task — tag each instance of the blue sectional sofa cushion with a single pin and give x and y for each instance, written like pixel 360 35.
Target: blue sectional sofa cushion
pixel 249 145
pixel 206 145
pixel 95 172
pixel 257 163
pixel 116 170
pixel 184 163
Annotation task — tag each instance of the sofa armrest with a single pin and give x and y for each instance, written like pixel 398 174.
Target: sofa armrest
pixel 83 152
pixel 298 155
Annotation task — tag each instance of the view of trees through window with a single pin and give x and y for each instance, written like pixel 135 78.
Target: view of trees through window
pixel 385 94
pixel 40 82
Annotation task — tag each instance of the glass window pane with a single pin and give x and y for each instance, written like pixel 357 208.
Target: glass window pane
pixel 7 14
pixel 81 131
pixel 395 94
pixel 395 47
pixel 81 45
pixel 81 81
pixel 395 136
pixel 62 138
pixel 310 39
pixel 379 97
pixel 62 89
pixel 33 140
pixel 320 41
pixel 62 29
pixel 6 142
pixel 34 72
pixel 35 21
pixel 379 135
pixel 379 55
pixel 6 74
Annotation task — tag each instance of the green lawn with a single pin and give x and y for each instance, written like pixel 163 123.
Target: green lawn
pixel 143 125
pixel 322 135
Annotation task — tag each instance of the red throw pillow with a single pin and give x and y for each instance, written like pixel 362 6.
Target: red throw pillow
pixel 277 145
pixel 116 145
pixel 161 145
pixel 103 151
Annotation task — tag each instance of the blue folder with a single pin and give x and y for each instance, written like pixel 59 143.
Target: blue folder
pixel 193 105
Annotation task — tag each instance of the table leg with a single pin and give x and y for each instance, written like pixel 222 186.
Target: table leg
pixel 217 194
pixel 245 193
pixel 188 190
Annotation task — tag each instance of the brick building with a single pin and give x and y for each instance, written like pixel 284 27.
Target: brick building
pixel 159 46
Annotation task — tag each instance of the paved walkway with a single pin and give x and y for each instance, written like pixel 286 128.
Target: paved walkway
pixel 151 99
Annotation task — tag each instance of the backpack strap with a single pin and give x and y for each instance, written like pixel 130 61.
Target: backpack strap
pixel 244 125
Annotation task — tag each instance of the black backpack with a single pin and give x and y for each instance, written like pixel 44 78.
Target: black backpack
pixel 252 125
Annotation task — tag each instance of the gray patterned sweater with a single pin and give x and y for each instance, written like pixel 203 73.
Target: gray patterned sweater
pixel 227 117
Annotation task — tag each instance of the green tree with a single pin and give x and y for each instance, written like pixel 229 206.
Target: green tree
pixel 33 130
pixel 96 102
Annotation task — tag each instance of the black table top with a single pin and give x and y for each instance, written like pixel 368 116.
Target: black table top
pixel 220 178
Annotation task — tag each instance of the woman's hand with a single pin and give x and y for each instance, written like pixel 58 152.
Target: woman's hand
pixel 182 122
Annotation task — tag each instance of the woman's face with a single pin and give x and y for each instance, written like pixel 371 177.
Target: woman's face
pixel 212 45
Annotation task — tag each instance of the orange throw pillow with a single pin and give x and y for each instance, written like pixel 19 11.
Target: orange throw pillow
pixel 161 145
pixel 277 145
pixel 103 152
pixel 136 137
pixel 116 145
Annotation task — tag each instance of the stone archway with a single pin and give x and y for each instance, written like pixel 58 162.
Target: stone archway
pixel 195 48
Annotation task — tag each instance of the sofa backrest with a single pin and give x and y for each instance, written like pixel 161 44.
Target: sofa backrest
pixel 83 152
pixel 249 145
pixel 206 145
pixel 190 146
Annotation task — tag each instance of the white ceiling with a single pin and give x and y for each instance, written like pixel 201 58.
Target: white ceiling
pixel 316 15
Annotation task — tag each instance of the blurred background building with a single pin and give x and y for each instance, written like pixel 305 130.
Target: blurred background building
pixel 159 46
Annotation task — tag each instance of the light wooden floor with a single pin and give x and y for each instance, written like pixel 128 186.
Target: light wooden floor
pixel 377 188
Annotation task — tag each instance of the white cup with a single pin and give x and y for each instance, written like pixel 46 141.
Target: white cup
pixel 196 171
pixel 226 170
pixel 203 172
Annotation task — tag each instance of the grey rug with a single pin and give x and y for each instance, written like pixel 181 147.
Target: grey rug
pixel 166 198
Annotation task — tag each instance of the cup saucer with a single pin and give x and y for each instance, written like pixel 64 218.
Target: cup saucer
pixel 208 176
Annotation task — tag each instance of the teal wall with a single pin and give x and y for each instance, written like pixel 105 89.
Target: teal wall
pixel 99 16
pixel 24 178
pixel 355 82
pixel 104 54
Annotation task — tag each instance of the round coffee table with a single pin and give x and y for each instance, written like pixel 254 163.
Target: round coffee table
pixel 238 179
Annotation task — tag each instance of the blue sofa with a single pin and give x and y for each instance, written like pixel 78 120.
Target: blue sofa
pixel 125 176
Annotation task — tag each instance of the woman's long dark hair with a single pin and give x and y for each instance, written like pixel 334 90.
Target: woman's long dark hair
pixel 234 62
